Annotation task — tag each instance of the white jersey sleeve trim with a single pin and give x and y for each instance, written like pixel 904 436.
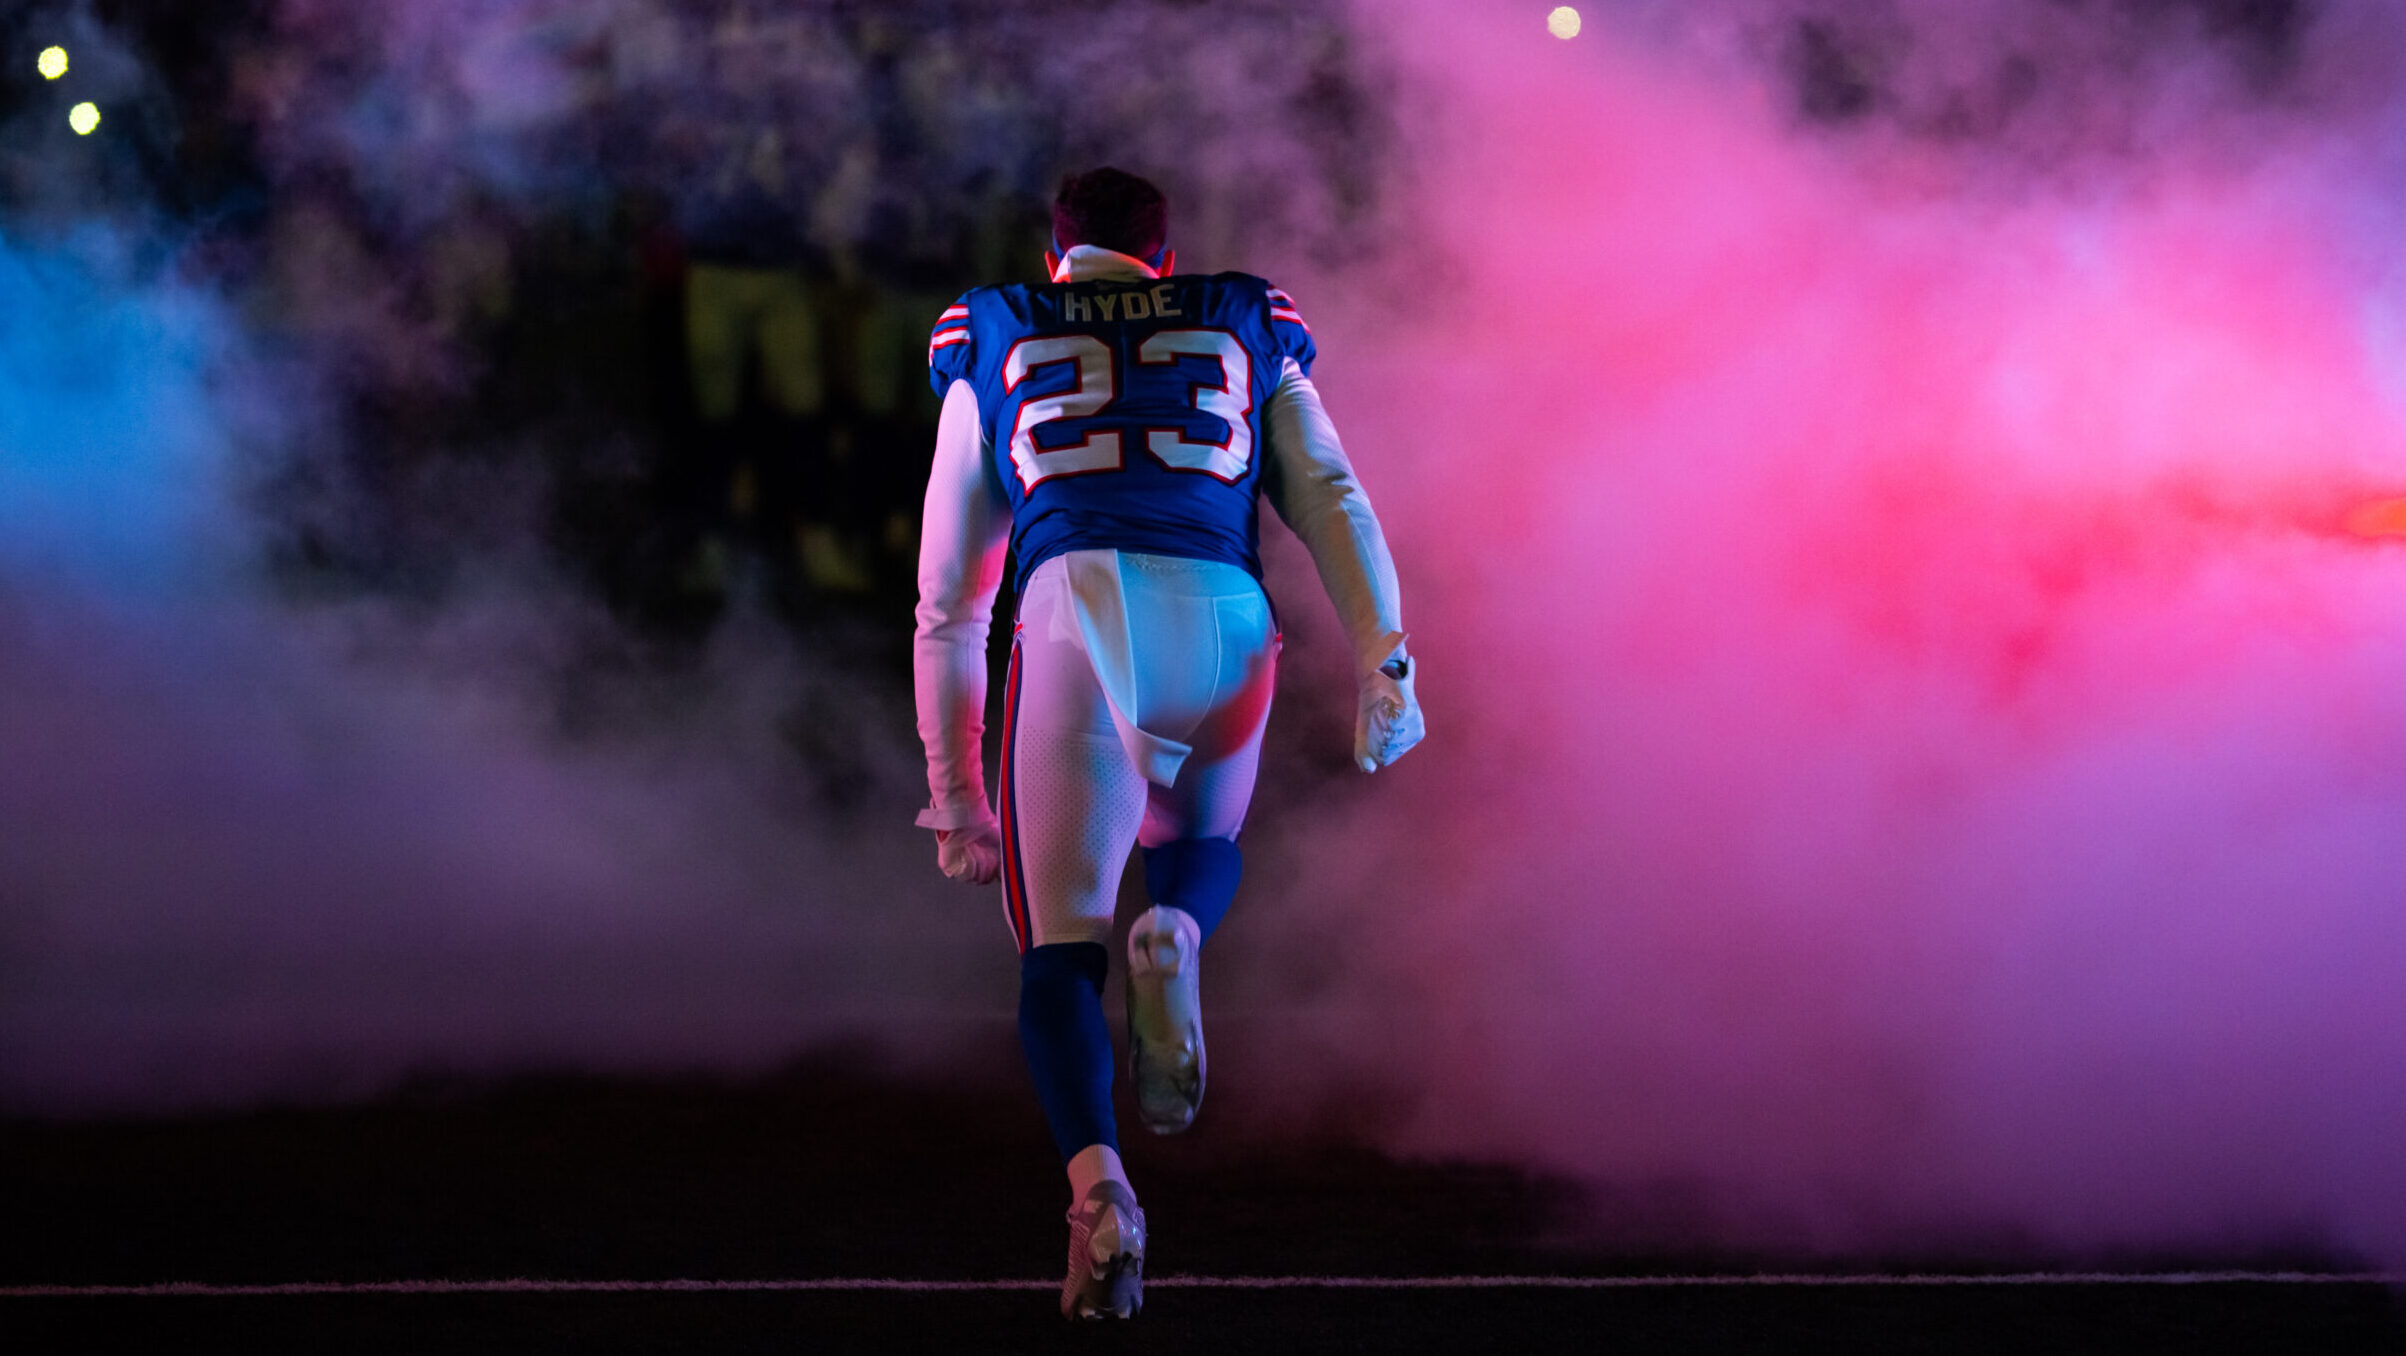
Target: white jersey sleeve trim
pixel 1312 486
pixel 964 531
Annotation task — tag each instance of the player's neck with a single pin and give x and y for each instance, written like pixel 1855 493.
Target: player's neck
pixel 1093 263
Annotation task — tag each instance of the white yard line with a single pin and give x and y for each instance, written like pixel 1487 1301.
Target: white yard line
pixel 523 1286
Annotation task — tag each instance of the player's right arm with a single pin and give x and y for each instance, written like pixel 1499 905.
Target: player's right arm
pixel 964 532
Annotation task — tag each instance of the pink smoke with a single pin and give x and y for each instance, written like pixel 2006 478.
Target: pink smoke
pixel 1911 748
pixel 1914 755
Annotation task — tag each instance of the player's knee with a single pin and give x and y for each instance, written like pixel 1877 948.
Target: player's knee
pixel 1065 927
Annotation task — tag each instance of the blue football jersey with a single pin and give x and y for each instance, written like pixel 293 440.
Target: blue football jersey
pixel 1125 414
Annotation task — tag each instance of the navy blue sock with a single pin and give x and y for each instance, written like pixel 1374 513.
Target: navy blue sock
pixel 1198 875
pixel 1068 1044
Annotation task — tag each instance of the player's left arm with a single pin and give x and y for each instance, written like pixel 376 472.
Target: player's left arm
pixel 1312 485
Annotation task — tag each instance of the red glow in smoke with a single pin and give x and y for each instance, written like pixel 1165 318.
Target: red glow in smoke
pixel 1906 750
pixel 2379 518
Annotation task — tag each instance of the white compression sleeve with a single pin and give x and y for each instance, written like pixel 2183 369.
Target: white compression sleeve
pixel 1312 486
pixel 964 530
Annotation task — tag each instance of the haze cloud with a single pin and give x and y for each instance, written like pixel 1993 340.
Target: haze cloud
pixel 1915 760
pixel 318 767
pixel 1915 753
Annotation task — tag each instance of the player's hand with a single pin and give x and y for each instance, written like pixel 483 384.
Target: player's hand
pixel 972 854
pixel 1387 723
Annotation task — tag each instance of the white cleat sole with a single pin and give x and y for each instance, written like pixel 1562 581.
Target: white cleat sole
pixel 1166 1060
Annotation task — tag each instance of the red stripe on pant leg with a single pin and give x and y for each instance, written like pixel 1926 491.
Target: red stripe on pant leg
pixel 1015 894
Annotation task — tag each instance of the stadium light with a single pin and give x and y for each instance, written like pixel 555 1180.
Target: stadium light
pixel 1563 22
pixel 52 63
pixel 83 118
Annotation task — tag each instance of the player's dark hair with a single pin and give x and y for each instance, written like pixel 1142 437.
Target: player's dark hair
pixel 1111 208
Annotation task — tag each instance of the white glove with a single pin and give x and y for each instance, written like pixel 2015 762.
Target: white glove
pixel 972 854
pixel 1387 723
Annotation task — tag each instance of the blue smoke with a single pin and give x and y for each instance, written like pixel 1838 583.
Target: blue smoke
pixel 113 449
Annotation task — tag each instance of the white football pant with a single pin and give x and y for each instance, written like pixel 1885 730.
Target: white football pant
pixel 1138 690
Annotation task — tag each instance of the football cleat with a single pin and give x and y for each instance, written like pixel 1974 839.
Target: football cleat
pixel 1165 1018
pixel 1106 1255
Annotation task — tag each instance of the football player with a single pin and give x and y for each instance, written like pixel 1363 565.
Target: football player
pixel 1111 430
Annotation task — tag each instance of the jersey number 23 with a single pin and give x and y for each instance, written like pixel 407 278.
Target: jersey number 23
pixel 1098 384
